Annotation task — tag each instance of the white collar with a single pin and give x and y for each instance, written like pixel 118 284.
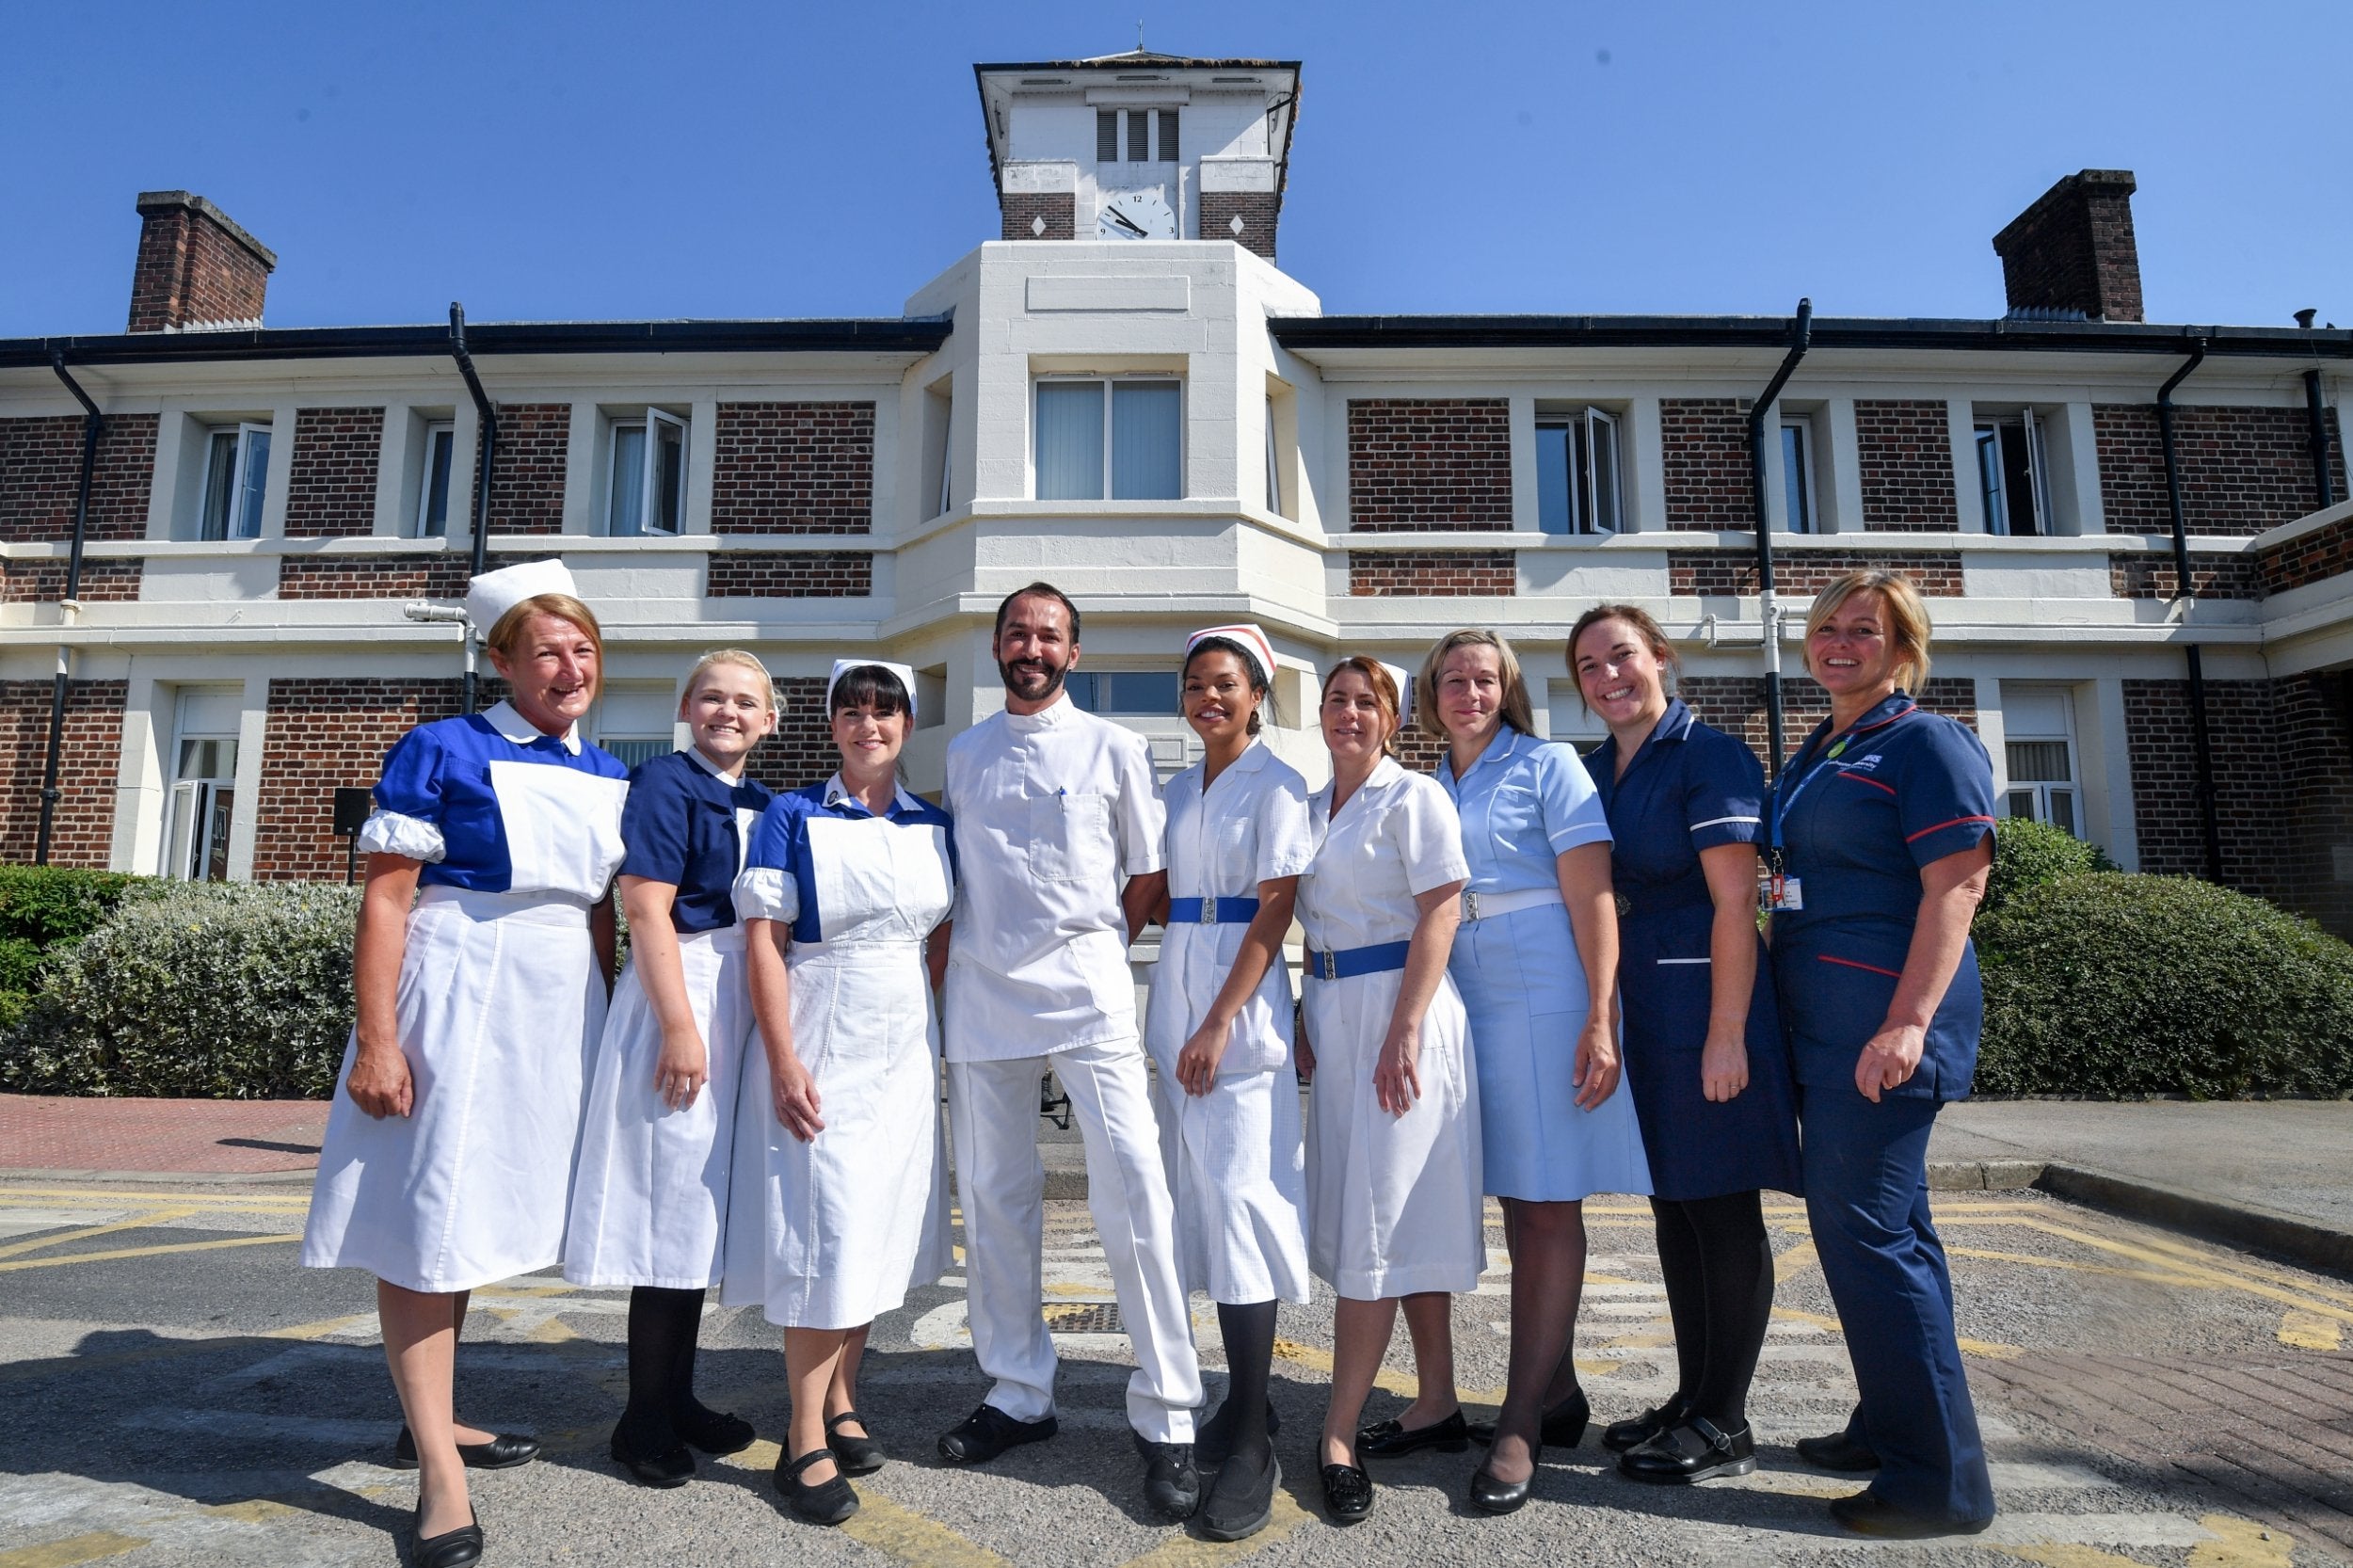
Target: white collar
pixel 1384 772
pixel 1254 757
pixel 512 725
pixel 837 791
pixel 1053 714
pixel 714 769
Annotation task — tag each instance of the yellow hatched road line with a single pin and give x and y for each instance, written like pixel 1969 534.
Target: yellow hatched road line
pixel 106 1197
pixel 2194 1270
pixel 73 1550
pixel 119 1253
pixel 138 1222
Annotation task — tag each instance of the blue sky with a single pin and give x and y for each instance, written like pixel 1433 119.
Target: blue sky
pixel 612 160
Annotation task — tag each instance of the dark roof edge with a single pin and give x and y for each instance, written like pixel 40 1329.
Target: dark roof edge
pixel 892 334
pixel 1118 62
pixel 1650 331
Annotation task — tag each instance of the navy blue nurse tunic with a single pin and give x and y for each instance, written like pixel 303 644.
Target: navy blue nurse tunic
pixel 1690 788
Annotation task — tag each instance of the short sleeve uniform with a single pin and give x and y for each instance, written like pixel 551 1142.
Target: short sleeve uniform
pixel 687 825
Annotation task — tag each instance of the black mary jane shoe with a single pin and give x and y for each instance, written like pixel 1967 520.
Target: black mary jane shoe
pixel 1242 1500
pixel 1392 1440
pixel 857 1454
pixel 1213 1439
pixel 502 1452
pixel 1347 1493
pixel 451 1548
pixel 1563 1425
pixel 1618 1436
pixel 673 1467
pixel 829 1503
pixel 713 1431
pixel 1869 1514
pixel 1490 1496
pixel 1838 1451
pixel 1697 1450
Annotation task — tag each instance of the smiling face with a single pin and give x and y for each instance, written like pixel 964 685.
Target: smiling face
pixel 1853 650
pixel 1355 723
pixel 728 712
pixel 868 741
pixel 550 674
pixel 1034 649
pixel 1218 701
pixel 1619 673
pixel 1470 693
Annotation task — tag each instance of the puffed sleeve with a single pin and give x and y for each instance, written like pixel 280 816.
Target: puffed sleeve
pixel 767 889
pixel 407 815
pixel 1572 807
pixel 1430 835
pixel 1139 817
pixel 1724 797
pixel 653 823
pixel 1286 840
pixel 1945 797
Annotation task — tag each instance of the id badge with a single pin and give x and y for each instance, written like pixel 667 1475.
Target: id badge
pixel 1788 892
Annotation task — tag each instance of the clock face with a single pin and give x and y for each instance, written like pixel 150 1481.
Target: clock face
pixel 1134 215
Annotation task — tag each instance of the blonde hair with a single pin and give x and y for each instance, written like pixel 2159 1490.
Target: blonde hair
pixel 731 656
pixel 1907 621
pixel 1517 712
pixel 1384 692
pixel 506 632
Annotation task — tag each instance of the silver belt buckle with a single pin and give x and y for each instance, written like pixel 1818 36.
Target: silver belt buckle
pixel 1330 962
pixel 1470 906
pixel 1208 911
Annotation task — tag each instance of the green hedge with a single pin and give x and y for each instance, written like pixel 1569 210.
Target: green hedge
pixel 45 910
pixel 2029 854
pixel 2111 983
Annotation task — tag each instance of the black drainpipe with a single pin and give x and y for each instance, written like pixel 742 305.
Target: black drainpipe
pixel 479 519
pixel 69 606
pixel 2324 482
pixel 2201 742
pixel 1800 332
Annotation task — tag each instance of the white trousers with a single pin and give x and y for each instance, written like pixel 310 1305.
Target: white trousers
pixel 992 1108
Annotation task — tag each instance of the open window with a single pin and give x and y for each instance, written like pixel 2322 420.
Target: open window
pixel 1577 486
pixel 204 800
pixel 1797 475
pixel 2013 474
pixel 236 481
pixel 440 449
pixel 648 493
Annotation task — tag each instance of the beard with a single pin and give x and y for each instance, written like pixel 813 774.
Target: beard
pixel 1031 680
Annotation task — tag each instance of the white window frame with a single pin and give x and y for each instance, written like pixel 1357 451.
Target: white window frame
pixel 2040 791
pixel 1998 520
pixel 241 457
pixel 1590 428
pixel 190 830
pixel 1808 518
pixel 1273 463
pixel 1111 455
pixel 653 422
pixel 435 430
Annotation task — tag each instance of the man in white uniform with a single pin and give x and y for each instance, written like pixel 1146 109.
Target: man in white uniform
pixel 1052 806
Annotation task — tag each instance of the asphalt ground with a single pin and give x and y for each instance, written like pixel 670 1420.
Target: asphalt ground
pixel 178 1391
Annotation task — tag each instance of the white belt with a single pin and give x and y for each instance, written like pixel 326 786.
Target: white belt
pixel 1486 906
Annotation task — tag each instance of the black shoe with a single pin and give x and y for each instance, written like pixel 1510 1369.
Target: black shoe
pixel 1213 1439
pixel 858 1454
pixel 1390 1440
pixel 502 1452
pixel 673 1467
pixel 700 1427
pixel 1867 1513
pixel 1697 1449
pixel 828 1502
pixel 1837 1451
pixel 1347 1493
pixel 1242 1500
pixel 1618 1436
pixel 987 1432
pixel 1171 1484
pixel 1490 1496
pixel 451 1548
pixel 1563 1425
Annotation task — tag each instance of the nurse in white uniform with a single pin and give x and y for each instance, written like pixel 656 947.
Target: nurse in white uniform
pixel 841 1183
pixel 1218 1029
pixel 448 1153
pixel 1393 1149
pixel 1052 806
pixel 649 1203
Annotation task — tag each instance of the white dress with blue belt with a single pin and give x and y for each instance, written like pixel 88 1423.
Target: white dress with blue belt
pixel 649 1203
pixel 832 1233
pixel 498 1008
pixel 1524 804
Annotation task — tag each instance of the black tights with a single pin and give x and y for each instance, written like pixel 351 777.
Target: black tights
pixel 664 1325
pixel 1719 1268
pixel 1249 1335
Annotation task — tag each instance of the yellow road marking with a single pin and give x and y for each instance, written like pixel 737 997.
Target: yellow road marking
pixel 72 1549
pixel 553 1332
pixel 898 1531
pixel 2195 1272
pixel 139 1252
pixel 138 1222
pixel 104 1197
pixel 254 1510
pixel 2065 1555
pixel 1185 1551
pixel 2309 1331
pixel 321 1329
pixel 1792 1484
pixel 1800 1257
pixel 2237 1543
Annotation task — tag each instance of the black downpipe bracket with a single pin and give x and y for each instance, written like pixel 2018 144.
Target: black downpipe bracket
pixel 69 604
pixel 2201 739
pixel 478 522
pixel 2324 482
pixel 1800 334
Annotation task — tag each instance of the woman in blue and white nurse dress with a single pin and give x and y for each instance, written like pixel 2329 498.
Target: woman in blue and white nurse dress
pixel 448 1155
pixel 840 1201
pixel 650 1203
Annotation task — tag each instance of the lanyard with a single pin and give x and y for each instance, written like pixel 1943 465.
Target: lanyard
pixel 1785 799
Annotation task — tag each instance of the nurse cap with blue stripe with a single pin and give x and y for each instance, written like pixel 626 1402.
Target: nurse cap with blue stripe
pixel 843 666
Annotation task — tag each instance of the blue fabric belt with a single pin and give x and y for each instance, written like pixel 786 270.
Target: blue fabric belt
pixel 1356 961
pixel 1213 911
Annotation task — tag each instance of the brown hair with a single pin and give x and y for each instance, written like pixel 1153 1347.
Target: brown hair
pixel 1384 691
pixel 1907 621
pixel 1646 627
pixel 1517 712
pixel 508 631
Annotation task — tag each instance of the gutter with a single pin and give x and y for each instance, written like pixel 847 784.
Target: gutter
pixel 2201 739
pixel 1801 329
pixel 70 607
pixel 478 520
pixel 1309 333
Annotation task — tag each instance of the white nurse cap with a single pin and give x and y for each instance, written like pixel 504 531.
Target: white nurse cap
pixel 843 666
pixel 1245 635
pixel 1405 689
pixel 492 594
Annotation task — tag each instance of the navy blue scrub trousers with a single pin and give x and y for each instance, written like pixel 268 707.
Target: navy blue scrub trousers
pixel 1866 1196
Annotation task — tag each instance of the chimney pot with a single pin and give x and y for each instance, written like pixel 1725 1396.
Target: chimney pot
pixel 197 269
pixel 2073 249
pixel 2304 317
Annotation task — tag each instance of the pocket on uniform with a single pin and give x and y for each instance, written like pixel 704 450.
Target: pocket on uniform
pixel 1070 838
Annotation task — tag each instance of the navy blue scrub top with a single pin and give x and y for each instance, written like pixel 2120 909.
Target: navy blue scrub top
pixel 1905 788
pixel 680 826
pixel 441 772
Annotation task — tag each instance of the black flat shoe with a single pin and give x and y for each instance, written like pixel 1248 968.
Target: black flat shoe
pixel 1390 1440
pixel 1172 1484
pixel 1563 1425
pixel 451 1548
pixel 829 1503
pixel 502 1452
pixel 674 1466
pixel 1618 1436
pixel 1213 1439
pixel 1697 1450
pixel 1490 1496
pixel 1347 1493
pixel 1837 1451
pixel 712 1430
pixel 857 1454
pixel 1242 1500
pixel 1867 1513
pixel 987 1432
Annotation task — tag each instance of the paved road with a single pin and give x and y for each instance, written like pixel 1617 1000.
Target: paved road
pixel 179 1392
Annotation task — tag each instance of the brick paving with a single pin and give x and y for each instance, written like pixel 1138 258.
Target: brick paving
pixel 178 1137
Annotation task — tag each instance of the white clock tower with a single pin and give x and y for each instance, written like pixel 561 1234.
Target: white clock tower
pixel 1141 146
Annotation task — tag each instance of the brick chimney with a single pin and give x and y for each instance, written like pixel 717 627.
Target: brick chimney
pixel 2073 249
pixel 196 268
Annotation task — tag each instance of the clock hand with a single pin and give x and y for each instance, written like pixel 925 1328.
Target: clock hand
pixel 1124 222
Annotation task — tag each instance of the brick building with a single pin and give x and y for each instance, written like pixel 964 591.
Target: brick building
pixel 1123 393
